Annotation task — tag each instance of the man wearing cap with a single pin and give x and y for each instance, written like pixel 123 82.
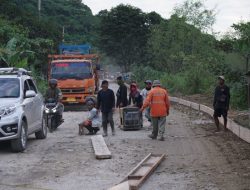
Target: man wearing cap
pixel 158 101
pixel 144 94
pixel 221 102
pixel 93 122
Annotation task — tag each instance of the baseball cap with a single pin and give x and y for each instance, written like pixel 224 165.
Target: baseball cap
pixel 148 82
pixel 221 77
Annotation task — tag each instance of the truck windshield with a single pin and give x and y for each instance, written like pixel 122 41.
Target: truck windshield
pixel 72 70
pixel 9 88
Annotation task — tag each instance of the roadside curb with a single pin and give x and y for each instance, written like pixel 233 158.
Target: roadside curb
pixel 241 132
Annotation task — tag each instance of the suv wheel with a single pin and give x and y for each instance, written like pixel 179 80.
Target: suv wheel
pixel 19 144
pixel 42 134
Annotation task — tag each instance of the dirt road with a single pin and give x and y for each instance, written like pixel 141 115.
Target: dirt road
pixel 197 158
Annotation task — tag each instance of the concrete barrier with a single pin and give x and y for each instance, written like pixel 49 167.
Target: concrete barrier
pixel 174 99
pixel 195 106
pixel 207 110
pixel 242 132
pixel 235 128
pixel 185 102
pixel 230 124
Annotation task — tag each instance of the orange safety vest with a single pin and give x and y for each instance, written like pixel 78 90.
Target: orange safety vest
pixel 158 102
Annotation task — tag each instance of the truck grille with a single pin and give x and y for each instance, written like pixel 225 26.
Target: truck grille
pixel 73 91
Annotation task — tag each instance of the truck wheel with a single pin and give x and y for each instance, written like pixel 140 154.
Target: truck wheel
pixel 42 134
pixel 19 144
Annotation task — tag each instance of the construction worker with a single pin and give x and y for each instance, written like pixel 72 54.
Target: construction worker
pixel 135 98
pixel 144 94
pixel 159 104
pixel 106 103
pixel 122 99
pixel 93 122
pixel 221 102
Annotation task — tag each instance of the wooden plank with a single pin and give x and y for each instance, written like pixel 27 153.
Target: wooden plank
pixel 135 177
pixel 138 166
pixel 152 160
pixel 147 164
pixel 140 173
pixel 100 147
pixel 121 186
pixel 149 172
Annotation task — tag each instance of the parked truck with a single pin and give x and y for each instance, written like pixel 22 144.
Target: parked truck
pixel 76 70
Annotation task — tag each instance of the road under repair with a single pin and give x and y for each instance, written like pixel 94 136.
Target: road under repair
pixel 196 157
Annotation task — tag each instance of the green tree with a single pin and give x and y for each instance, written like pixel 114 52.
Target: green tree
pixel 123 34
pixel 197 14
pixel 173 40
pixel 242 41
pixel 14 55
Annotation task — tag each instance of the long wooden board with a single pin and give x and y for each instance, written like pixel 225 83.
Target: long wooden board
pixel 100 147
pixel 140 173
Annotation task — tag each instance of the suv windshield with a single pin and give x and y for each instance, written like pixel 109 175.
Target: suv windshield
pixel 9 88
pixel 72 70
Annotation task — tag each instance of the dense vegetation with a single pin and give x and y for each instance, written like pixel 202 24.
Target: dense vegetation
pixel 181 51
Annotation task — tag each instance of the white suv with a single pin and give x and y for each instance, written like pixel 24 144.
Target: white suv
pixel 21 108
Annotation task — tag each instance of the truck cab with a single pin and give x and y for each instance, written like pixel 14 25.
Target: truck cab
pixel 76 79
pixel 76 70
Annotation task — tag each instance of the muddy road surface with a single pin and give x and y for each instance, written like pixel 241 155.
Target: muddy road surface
pixel 197 158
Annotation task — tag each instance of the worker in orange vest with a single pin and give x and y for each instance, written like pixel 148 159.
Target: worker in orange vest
pixel 158 102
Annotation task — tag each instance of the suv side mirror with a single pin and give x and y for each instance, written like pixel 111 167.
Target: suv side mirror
pixel 30 94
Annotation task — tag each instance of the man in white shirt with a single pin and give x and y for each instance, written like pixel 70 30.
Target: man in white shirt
pixel 93 122
pixel 144 94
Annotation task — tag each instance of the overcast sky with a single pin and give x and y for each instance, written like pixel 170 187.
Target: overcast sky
pixel 229 11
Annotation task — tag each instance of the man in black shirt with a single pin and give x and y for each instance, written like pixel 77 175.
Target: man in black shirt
pixel 106 103
pixel 221 102
pixel 122 100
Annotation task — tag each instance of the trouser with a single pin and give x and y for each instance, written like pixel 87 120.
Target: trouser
pixel 159 124
pixel 107 118
pixel 60 109
pixel 92 129
pixel 147 114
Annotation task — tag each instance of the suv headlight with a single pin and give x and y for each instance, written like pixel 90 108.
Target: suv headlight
pixel 7 110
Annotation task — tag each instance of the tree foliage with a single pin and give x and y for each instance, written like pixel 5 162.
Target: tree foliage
pixel 178 50
pixel 14 54
pixel 197 14
pixel 173 41
pixel 243 38
pixel 123 33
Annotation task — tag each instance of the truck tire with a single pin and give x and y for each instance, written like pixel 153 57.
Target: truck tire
pixel 20 144
pixel 42 134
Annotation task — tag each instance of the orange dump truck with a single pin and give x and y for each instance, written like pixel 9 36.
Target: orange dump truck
pixel 77 76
